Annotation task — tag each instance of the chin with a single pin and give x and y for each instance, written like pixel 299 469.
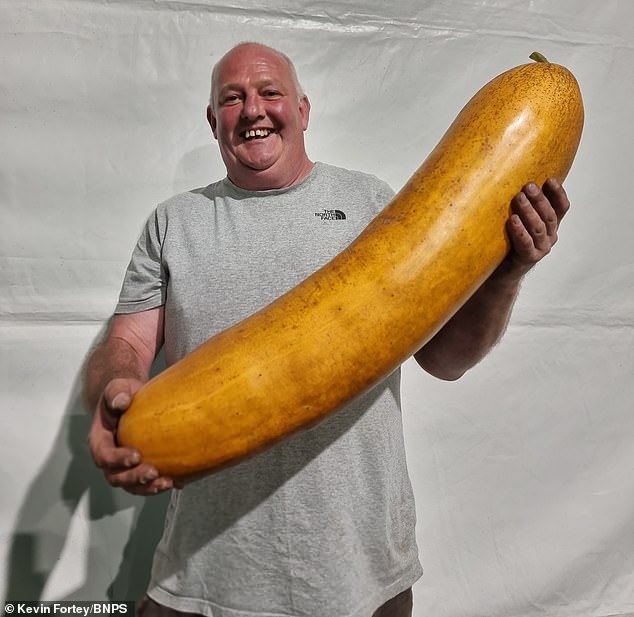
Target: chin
pixel 259 165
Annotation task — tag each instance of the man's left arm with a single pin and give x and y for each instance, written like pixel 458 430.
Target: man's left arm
pixel 480 323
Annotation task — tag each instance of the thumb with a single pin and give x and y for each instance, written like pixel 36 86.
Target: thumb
pixel 119 392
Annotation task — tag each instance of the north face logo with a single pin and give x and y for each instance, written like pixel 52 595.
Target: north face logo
pixel 331 215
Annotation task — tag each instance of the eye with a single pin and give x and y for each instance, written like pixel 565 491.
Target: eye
pixel 230 99
pixel 272 94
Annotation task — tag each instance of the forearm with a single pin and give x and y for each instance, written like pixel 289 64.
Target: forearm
pixel 113 358
pixel 126 351
pixel 471 333
pixel 480 323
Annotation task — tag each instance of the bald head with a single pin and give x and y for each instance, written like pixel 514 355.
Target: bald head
pixel 241 47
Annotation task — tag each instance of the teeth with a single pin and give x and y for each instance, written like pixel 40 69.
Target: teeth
pixel 257 133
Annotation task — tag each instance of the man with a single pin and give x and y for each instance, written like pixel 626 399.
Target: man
pixel 321 524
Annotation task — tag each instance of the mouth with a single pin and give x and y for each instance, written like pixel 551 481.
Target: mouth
pixel 251 134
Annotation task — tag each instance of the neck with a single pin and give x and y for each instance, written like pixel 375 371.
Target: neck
pixel 256 180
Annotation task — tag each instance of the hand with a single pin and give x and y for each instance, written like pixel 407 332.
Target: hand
pixel 122 467
pixel 534 223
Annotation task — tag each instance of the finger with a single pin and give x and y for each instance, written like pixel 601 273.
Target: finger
pixel 531 218
pixel 557 197
pixel 140 481
pixel 118 394
pixel 103 446
pixel 110 458
pixel 105 421
pixel 543 207
pixel 521 240
pixel 115 400
pixel 142 474
pixel 122 468
pixel 107 455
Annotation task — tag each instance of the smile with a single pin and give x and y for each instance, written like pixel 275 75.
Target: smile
pixel 256 133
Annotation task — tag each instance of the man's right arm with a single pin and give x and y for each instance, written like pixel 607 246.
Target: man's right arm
pixel 115 370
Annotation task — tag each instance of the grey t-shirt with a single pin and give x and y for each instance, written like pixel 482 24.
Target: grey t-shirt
pixel 321 524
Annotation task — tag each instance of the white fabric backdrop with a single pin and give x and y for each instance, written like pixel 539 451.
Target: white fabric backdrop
pixel 523 470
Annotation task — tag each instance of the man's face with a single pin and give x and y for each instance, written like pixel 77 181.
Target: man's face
pixel 259 119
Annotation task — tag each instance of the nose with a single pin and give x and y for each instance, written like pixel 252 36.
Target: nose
pixel 253 107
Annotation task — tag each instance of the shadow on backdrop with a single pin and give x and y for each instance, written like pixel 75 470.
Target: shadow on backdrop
pixel 52 503
pixel 69 477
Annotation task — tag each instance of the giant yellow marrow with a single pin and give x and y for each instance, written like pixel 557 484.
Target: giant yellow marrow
pixel 355 320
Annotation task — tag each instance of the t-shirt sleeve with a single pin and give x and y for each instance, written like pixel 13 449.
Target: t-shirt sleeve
pixel 382 193
pixel 145 281
pixel 385 193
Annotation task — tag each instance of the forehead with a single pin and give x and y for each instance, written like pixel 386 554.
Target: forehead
pixel 251 64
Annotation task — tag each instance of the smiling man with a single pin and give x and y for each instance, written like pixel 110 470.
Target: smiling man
pixel 323 523
pixel 258 114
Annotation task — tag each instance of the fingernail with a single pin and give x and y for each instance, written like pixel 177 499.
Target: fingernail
pixel 532 188
pixel 148 478
pixel 132 461
pixel 121 401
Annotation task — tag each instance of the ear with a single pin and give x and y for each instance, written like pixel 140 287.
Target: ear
pixel 213 122
pixel 304 111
